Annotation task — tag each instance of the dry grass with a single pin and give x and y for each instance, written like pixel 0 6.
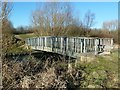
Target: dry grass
pixel 31 73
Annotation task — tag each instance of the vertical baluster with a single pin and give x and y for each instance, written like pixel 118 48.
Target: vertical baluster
pixel 67 44
pixel 90 45
pixel 45 38
pixel 56 44
pixel 81 45
pixel 51 42
pixel 61 44
pixel 111 43
pixel 96 46
pixel 84 45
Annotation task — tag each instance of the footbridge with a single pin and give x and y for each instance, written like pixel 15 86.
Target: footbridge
pixel 70 46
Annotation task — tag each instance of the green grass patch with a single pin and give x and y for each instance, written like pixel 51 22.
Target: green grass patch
pixel 106 63
pixel 24 36
pixel 16 50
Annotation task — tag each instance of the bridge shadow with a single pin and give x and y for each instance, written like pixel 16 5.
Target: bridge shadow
pixel 43 55
pixel 40 55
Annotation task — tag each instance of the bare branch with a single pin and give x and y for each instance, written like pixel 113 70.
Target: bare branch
pixel 89 20
pixel 110 25
pixel 6 8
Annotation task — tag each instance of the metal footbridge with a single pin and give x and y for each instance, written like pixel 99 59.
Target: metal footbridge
pixel 70 46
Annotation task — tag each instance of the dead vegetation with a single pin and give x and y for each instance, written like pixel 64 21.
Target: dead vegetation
pixel 57 74
pixel 36 74
pixel 50 73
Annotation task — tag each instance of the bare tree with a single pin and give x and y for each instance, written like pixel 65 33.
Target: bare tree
pixel 6 8
pixel 52 18
pixel 88 22
pixel 110 25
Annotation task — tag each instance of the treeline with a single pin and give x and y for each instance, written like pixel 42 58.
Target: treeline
pixel 23 30
pixel 72 30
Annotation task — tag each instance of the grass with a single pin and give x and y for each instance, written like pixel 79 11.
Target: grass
pixel 110 62
pixel 17 50
pixel 102 71
pixel 24 36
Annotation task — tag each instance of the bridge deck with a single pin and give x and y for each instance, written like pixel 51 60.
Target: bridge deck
pixel 71 46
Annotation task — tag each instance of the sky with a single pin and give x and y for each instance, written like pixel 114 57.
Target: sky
pixel 104 11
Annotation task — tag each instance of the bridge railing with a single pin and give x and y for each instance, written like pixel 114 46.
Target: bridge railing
pixel 66 45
